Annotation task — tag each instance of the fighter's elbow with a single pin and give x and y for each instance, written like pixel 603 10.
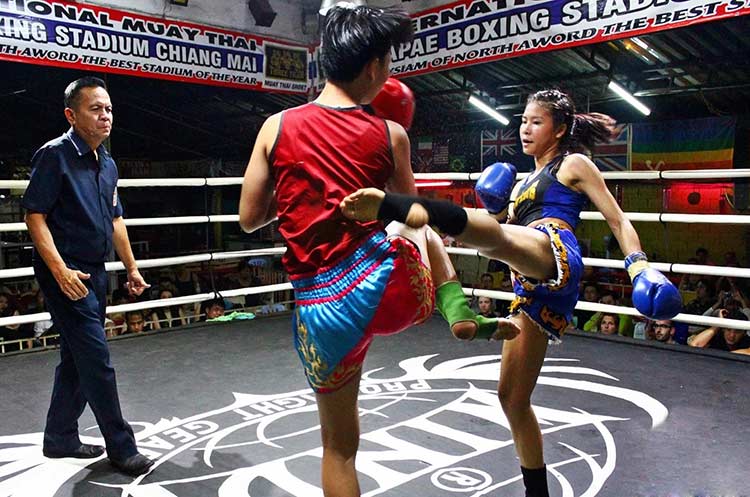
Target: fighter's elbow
pixel 249 222
pixel 245 224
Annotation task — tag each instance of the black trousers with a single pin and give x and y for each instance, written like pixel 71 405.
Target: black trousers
pixel 85 374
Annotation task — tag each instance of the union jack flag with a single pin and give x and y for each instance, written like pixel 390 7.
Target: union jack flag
pixel 613 156
pixel 499 142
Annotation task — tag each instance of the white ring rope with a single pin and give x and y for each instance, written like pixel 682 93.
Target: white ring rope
pixel 662 217
pixel 666 267
pixel 190 299
pixel 609 263
pixel 165 261
pixel 617 309
pixel 653 217
pixel 608 175
pixel 152 304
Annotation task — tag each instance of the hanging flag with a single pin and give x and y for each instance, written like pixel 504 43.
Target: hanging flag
pixel 613 156
pixel 424 145
pixel 423 155
pixel 706 143
pixel 499 142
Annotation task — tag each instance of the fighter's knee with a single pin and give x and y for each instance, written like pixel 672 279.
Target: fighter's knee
pixel 511 401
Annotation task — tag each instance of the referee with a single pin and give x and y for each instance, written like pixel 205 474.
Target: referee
pixel 74 218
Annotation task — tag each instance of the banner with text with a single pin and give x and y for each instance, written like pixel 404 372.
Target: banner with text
pixel 475 31
pixel 59 33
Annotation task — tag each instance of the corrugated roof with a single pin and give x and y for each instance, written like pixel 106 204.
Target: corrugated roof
pixel 689 72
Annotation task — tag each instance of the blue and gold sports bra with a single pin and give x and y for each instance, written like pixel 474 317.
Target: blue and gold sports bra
pixel 542 195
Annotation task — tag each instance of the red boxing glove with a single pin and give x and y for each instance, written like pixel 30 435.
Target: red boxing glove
pixel 395 102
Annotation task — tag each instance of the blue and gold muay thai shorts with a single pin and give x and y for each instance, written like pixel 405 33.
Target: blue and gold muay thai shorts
pixel 550 303
pixel 380 289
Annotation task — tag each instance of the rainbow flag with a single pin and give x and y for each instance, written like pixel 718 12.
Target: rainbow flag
pixel 706 143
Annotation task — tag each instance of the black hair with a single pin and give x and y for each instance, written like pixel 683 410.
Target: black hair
pixel 614 316
pixel 220 302
pixel 584 131
pixel 136 312
pixel 737 314
pixel 73 90
pixel 352 37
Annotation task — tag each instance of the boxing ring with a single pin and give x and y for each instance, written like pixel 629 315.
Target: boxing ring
pixel 224 409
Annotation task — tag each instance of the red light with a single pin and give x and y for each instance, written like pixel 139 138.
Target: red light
pixel 434 184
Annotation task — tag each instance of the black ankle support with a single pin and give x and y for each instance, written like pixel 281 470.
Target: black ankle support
pixel 535 481
pixel 448 217
pixel 396 207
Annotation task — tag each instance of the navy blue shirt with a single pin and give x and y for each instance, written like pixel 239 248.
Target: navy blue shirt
pixel 78 194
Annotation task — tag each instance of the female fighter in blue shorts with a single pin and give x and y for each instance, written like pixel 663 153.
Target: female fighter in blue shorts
pixel 539 243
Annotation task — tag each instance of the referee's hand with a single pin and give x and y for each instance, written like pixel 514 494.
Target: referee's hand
pixel 71 283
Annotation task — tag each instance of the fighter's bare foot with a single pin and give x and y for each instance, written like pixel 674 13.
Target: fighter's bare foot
pixel 364 205
pixel 506 330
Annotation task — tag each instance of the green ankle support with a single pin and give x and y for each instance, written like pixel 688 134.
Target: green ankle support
pixel 451 303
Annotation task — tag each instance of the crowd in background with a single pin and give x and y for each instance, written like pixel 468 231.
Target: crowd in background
pixel 723 297
pixel 24 297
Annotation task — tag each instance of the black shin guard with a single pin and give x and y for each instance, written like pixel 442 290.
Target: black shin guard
pixel 448 217
pixel 535 481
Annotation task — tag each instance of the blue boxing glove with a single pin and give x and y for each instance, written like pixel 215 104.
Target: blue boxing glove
pixel 495 185
pixel 653 294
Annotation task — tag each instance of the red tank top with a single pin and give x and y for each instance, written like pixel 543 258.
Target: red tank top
pixel 321 155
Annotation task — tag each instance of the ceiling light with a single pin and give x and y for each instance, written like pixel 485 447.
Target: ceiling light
pixel 488 110
pixel 327 5
pixel 625 95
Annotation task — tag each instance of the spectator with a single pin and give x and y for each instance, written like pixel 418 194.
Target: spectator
pixel 110 329
pixel 486 307
pixel 44 327
pixel 729 339
pixel 664 331
pixel 731 260
pixel 119 297
pixel 213 309
pixel 689 282
pixel 703 298
pixel 625 322
pixel 167 317
pixel 7 309
pixel 487 281
pixel 166 282
pixel 135 323
pixel 590 294
pixel 269 306
pixel 741 300
pixel 590 275
pixel 246 278
pixel 502 307
pixel 609 323
pixel 187 283
pixel 701 254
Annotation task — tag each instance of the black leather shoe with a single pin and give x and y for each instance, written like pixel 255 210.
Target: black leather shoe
pixel 134 465
pixel 84 451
